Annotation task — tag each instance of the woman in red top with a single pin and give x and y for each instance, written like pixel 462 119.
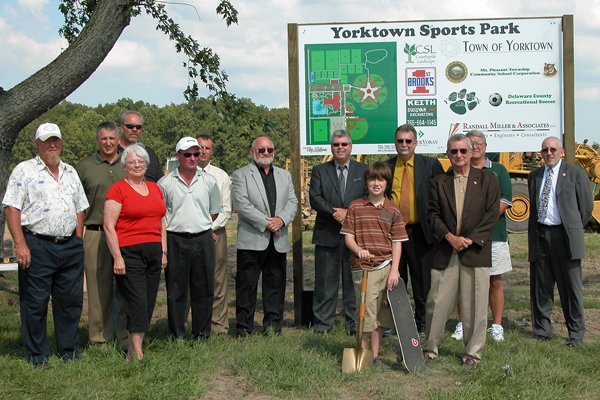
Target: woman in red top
pixel 134 224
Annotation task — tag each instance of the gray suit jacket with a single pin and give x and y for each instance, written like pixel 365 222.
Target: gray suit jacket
pixel 426 168
pixel 324 194
pixel 575 205
pixel 250 202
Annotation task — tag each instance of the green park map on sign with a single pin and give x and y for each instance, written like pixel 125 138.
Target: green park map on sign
pixel 352 87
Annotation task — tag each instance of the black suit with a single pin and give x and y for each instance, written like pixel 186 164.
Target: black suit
pixel 555 252
pixel 416 252
pixel 331 254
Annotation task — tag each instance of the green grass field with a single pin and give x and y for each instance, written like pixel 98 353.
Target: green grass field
pixel 300 365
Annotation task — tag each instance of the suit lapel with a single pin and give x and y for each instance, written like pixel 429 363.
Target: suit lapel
pixel 562 173
pixel 473 184
pixel 419 168
pixel 260 184
pixel 448 188
pixel 537 183
pixel 333 176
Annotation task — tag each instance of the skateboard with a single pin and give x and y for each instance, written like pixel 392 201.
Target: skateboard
pixel 412 354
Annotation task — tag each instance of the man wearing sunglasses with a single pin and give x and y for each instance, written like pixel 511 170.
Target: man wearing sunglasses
pixel 463 212
pixel 193 202
pixel 561 205
pixel 132 124
pixel 411 179
pixel 501 262
pixel 333 186
pixel 264 198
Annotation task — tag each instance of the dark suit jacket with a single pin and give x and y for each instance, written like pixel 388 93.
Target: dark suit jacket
pixel 479 217
pixel 575 205
pixel 426 168
pixel 324 194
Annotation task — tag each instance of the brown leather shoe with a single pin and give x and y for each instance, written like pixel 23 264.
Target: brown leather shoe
pixel 469 363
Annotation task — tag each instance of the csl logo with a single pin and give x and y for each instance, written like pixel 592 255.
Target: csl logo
pixel 417 49
pixel 420 81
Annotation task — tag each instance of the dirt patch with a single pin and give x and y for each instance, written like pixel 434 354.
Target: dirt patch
pixel 227 385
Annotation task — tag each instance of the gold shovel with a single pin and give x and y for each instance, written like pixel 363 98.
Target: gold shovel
pixel 359 358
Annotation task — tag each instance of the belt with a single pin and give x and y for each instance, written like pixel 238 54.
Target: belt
pixel 187 234
pixel 544 226
pixel 94 228
pixel 54 239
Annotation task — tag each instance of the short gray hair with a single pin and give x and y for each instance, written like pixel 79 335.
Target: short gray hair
pixel 457 137
pixel 340 133
pixel 126 113
pixel 107 126
pixel 477 133
pixel 138 149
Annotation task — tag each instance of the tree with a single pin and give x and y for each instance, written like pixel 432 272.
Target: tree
pixel 92 27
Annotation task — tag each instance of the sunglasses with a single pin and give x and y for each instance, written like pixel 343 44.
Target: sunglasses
pixel 407 141
pixel 549 150
pixel 262 150
pixel 131 126
pixel 462 151
pixel 343 144
pixel 188 155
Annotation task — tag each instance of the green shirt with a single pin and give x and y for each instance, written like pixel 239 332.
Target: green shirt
pixel 97 175
pixel 499 234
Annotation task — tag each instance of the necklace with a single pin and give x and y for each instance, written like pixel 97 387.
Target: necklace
pixel 145 192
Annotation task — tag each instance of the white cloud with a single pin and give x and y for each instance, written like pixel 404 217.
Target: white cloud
pixel 35 7
pixel 589 94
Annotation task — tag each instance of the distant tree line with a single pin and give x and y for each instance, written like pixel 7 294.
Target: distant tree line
pixel 163 127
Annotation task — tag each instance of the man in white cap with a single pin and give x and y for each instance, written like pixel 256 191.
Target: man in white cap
pixel 193 202
pixel 44 204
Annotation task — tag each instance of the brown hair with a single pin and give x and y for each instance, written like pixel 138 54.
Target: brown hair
pixel 378 170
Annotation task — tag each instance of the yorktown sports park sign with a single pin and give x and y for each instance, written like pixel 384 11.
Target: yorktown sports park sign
pixel 503 77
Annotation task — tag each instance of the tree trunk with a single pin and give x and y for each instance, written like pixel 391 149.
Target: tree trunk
pixel 53 83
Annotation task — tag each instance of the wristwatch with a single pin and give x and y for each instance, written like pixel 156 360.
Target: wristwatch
pixel 166 253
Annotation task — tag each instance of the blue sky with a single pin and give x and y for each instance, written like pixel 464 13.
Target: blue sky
pixel 144 66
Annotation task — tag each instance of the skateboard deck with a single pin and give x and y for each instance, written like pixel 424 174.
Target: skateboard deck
pixel 412 354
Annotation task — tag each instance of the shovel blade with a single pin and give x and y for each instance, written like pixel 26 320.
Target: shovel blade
pixel 356 359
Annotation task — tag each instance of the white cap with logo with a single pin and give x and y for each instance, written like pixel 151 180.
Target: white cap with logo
pixel 46 131
pixel 185 143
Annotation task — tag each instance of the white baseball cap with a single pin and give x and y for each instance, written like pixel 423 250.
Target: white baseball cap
pixel 186 142
pixel 46 131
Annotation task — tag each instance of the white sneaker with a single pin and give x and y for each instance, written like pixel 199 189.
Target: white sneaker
pixel 458 334
pixel 497 332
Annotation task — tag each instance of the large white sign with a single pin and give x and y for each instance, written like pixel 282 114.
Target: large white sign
pixel 501 76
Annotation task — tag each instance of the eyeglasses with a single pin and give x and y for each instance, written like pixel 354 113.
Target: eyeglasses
pixel 549 149
pixel 136 163
pixel 131 126
pixel 478 143
pixel 188 155
pixel 262 150
pixel 455 151
pixel 338 144
pixel 407 141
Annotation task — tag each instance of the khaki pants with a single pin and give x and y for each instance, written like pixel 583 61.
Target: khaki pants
pixel 473 284
pixel 98 264
pixel 220 318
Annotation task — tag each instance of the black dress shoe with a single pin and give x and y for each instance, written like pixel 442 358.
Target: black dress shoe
pixel 352 332
pixel 573 342
pixel 541 338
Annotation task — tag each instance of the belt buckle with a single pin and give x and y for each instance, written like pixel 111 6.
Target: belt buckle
pixel 59 239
